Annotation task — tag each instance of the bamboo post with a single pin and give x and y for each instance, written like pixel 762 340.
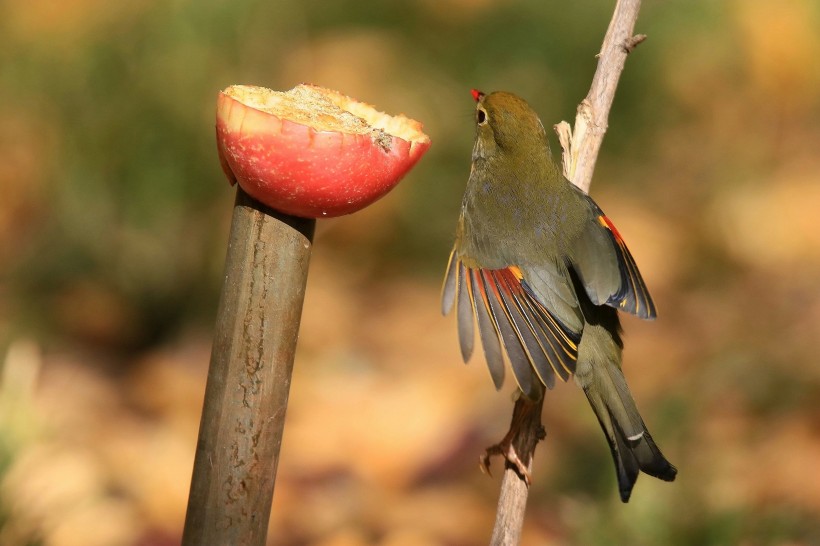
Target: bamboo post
pixel 249 376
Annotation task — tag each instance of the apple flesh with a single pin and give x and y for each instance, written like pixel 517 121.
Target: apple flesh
pixel 313 152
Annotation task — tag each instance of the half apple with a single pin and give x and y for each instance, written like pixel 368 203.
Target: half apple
pixel 313 152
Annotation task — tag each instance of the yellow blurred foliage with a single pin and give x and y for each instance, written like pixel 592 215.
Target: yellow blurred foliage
pixel 780 48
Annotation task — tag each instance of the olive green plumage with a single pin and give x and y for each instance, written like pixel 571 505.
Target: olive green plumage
pixel 541 270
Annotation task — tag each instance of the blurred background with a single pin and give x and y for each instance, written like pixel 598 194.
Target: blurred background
pixel 114 219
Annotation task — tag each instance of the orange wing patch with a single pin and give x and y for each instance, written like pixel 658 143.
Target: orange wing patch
pixel 633 295
pixel 509 315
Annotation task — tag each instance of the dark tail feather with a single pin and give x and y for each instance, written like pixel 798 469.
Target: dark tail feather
pixel 599 373
pixel 633 449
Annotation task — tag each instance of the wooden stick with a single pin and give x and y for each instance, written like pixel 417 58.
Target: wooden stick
pixel 512 501
pixel 580 146
pixel 579 152
pixel 249 377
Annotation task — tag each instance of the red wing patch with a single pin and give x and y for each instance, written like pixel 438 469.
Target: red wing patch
pixel 510 316
pixel 633 296
pixel 607 223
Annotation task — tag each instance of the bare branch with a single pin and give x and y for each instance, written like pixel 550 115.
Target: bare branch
pixel 593 112
pixel 512 502
pixel 580 149
pixel 632 43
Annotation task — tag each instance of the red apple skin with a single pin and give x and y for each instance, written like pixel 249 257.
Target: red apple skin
pixel 303 172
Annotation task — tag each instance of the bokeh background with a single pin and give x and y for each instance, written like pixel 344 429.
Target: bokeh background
pixel 114 217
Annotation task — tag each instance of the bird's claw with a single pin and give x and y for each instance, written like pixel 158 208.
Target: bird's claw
pixel 505 449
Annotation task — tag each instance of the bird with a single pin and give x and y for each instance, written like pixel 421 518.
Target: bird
pixel 543 272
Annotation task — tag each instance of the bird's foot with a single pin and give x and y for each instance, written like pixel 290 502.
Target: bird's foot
pixel 506 449
pixel 525 432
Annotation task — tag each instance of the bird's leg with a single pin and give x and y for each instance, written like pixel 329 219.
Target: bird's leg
pixel 525 425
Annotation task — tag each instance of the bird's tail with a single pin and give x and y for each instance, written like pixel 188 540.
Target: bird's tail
pixel 599 374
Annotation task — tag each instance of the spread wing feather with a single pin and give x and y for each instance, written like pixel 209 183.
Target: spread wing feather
pixel 535 353
pixel 509 314
pixel 487 327
pixel 448 291
pixel 465 314
pixel 520 360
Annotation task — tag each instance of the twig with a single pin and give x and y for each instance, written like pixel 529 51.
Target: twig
pixel 512 501
pixel 580 146
pixel 579 152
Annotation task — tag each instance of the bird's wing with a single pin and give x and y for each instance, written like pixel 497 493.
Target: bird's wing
pixel 607 269
pixel 509 313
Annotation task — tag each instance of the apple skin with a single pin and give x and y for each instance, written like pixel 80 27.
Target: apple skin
pixel 303 172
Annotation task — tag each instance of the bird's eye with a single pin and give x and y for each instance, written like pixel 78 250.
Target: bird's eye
pixel 481 116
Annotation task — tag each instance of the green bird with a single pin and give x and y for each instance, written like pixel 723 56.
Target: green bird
pixel 542 271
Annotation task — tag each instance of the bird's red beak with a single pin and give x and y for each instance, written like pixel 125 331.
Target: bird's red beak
pixel 477 95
